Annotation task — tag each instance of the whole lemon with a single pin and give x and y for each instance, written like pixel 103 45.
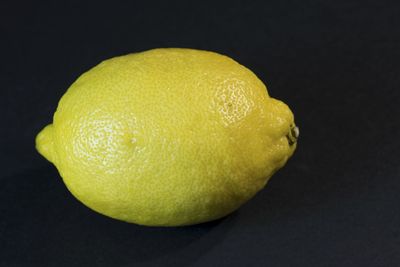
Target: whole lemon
pixel 168 137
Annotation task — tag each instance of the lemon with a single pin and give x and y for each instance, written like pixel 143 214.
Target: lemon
pixel 168 137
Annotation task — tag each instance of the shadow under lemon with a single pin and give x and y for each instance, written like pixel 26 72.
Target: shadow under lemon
pixel 48 225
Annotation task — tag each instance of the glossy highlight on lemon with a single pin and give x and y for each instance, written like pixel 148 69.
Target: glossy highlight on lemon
pixel 168 137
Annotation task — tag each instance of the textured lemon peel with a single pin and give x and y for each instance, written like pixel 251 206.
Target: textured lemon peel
pixel 167 137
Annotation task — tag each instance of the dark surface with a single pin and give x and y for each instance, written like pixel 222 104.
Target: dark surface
pixel 336 63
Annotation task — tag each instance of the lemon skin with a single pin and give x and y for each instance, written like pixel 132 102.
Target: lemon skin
pixel 167 137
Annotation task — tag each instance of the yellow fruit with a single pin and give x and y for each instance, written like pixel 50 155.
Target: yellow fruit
pixel 168 137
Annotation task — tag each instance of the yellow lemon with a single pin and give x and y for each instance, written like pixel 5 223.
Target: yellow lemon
pixel 168 137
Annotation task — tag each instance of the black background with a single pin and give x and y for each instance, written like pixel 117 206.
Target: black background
pixel 336 63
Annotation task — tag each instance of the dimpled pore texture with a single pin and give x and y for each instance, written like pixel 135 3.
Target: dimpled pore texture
pixel 167 137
